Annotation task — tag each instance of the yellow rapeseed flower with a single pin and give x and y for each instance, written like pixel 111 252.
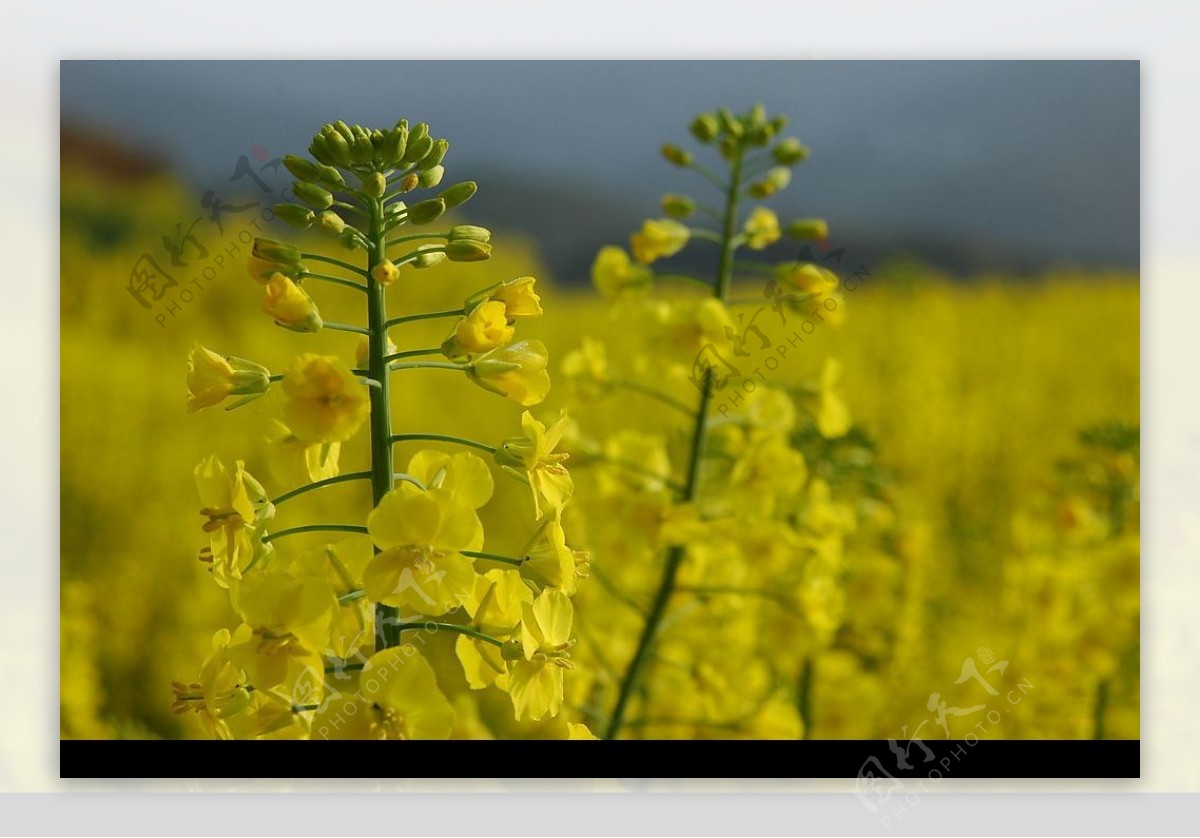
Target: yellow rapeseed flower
pixel 536 682
pixel 421 534
pixel 658 239
pixel 236 506
pixel 325 402
pixel 519 298
pixel 538 463
pixel 485 328
pixel 212 378
pixel 294 462
pixel 397 698
pixel 290 305
pixel 761 228
pixel 517 371
pixel 613 272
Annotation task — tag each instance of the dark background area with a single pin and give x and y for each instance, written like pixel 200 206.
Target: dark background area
pixel 973 167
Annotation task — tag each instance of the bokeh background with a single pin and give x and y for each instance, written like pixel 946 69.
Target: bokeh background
pixel 995 205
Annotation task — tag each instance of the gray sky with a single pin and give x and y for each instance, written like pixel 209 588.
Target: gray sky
pixel 1039 159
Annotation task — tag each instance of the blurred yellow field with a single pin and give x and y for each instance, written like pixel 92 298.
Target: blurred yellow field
pixel 955 461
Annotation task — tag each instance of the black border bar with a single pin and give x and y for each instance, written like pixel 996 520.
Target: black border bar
pixel 868 760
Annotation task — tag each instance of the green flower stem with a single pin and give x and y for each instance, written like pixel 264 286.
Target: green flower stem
pixel 430 365
pixel 804 696
pixel 429 315
pixel 417 254
pixel 417 237
pixel 382 473
pixel 355 666
pixel 351 596
pixel 458 440
pixel 676 554
pixel 350 208
pixel 411 353
pixel 269 537
pixel 646 390
pixel 370 382
pixel 276 377
pixel 345 327
pixel 349 283
pixel 316 257
pixel 711 176
pixel 457 629
pixel 708 235
pixel 329 481
pixel 494 557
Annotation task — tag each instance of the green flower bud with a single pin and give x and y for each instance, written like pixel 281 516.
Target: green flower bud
pixel 272 251
pixel 428 260
pixel 426 211
pixel 779 123
pixel 301 168
pixel 361 149
pixel 313 195
pixel 757 116
pixel 417 149
pixel 728 146
pixel 705 128
pixel 339 149
pixel 729 123
pixel 420 130
pixel 435 156
pixel 249 378
pixel 466 250
pixel 319 149
pixel 374 185
pixel 467 232
pixel 332 223
pixel 431 177
pixel 295 215
pixel 678 206
pixel 348 239
pixel 676 155
pixel 777 179
pixel 789 151
pixel 345 130
pixel 459 193
pixel 511 650
pixel 809 229
pixel 393 146
pixel 330 176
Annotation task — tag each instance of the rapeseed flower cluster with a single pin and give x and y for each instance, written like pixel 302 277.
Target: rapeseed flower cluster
pixel 323 645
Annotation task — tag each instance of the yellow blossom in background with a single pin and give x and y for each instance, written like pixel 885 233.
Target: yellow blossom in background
pixel 658 239
pixel 290 305
pixel 833 417
pixel 761 229
pixel 613 272
pixel 325 402
pixel 517 371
